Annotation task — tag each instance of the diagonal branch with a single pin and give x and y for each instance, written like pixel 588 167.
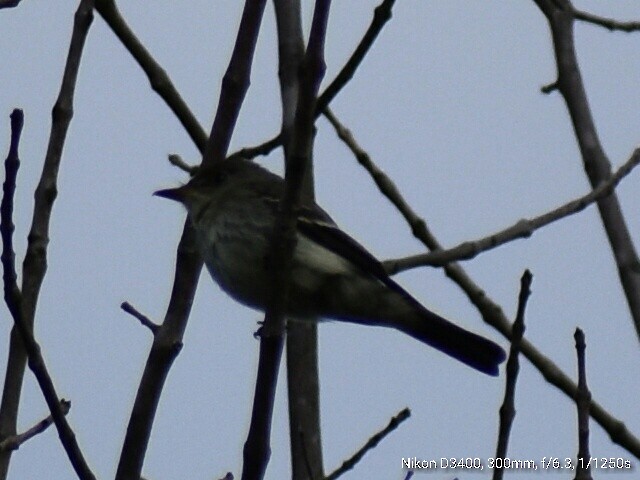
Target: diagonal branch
pixel 348 464
pixel 508 410
pixel 158 78
pixel 15 441
pixel 560 15
pixel 521 229
pixel 491 312
pixel 381 15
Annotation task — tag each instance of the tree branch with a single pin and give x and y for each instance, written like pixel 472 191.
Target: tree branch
pixel 522 229
pixel 508 410
pixel 583 398
pixel 607 23
pixel 348 464
pixel 381 15
pixel 15 441
pixel 158 78
pixel 560 15
pixel 303 384
pixel 491 312
pixel 35 262
pixel 256 448
pixel 143 319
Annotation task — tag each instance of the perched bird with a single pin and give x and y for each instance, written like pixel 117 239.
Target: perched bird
pixel 233 206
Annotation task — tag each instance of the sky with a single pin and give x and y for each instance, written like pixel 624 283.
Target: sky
pixel 448 104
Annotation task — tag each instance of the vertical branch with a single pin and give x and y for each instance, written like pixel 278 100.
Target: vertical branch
pixel 583 400
pixel 302 337
pixel 257 449
pixel 235 82
pixel 15 372
pixel 560 14
pixel 507 410
pixel 35 261
pixel 168 338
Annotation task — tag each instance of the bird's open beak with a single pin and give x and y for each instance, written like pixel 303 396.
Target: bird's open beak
pixel 178 194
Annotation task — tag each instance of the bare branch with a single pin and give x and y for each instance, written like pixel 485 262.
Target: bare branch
pixel 522 229
pixel 177 161
pixel 158 78
pixel 13 442
pixel 303 385
pixel 381 15
pixel 491 312
pixel 507 410
pixel 607 23
pixel 235 83
pixel 347 465
pixel 560 15
pixel 583 398
pixel 23 345
pixel 283 240
pixel 143 319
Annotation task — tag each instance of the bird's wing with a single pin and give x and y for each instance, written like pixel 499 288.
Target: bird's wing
pixel 316 225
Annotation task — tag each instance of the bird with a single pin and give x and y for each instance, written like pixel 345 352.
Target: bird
pixel 233 205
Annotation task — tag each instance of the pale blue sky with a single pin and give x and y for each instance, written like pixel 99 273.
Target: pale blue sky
pixel 448 103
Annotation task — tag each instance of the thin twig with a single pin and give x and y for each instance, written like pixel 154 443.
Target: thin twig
pixel 13 442
pixel 158 78
pixel 583 398
pixel 607 23
pixel 348 464
pixel 507 410
pixel 143 319
pixel 491 312
pixel 521 229
pixel 177 161
pixel 381 15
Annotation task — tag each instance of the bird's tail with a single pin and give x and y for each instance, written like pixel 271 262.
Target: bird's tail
pixel 469 348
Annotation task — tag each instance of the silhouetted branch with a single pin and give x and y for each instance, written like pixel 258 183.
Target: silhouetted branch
pixel 177 161
pixel 143 319
pixel 35 263
pixel 583 398
pixel 508 410
pixel 15 441
pixel 370 444
pixel 607 23
pixel 381 15
pixel 561 17
pixel 283 240
pixel 158 78
pixel 168 339
pixel 522 229
pixel 491 312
